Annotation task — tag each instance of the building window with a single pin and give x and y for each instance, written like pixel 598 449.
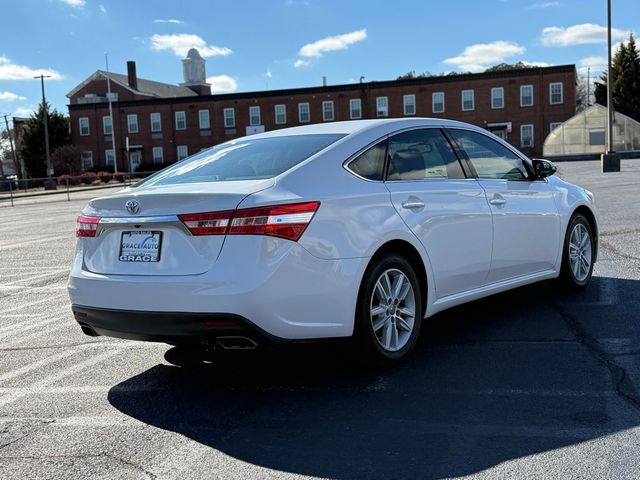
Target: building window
pixel 84 126
pixel 382 106
pixel 554 125
pixel 132 123
pixel 526 135
pixel 304 115
pixel 355 108
pixel 158 156
pixel 183 152
pixel 229 117
pixel 86 160
pixel 156 122
pixel 203 119
pixel 109 157
pixel 181 121
pixel 437 102
pixel 526 95
pixel 468 100
pixel 327 110
pixel 497 97
pixel 555 93
pixel 254 116
pixel 107 126
pixel 281 114
pixel 409 104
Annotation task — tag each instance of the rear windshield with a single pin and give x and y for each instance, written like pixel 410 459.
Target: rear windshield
pixel 244 159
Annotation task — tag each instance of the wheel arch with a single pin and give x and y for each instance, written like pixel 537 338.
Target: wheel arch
pixel 413 256
pixel 591 218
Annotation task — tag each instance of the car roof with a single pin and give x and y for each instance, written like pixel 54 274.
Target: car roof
pixel 359 126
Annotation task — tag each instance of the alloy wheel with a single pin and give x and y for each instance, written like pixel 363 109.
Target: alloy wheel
pixel 580 252
pixel 393 310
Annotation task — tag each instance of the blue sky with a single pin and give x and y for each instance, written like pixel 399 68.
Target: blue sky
pixel 270 44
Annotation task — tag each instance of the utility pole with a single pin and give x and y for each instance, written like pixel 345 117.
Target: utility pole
pixel 13 152
pixel 50 185
pixel 113 127
pixel 610 161
pixel 588 86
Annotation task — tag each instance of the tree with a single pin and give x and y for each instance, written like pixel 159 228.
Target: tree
pixel 412 74
pixel 67 159
pixel 582 95
pixel 32 139
pixel 508 66
pixel 625 70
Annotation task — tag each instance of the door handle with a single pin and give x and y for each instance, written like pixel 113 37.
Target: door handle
pixel 411 205
pixel 498 201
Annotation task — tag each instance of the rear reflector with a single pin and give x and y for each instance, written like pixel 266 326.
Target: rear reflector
pixel 212 223
pixel 284 221
pixel 86 226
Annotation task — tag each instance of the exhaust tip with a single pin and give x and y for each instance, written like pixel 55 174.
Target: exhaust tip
pixel 87 330
pixel 236 343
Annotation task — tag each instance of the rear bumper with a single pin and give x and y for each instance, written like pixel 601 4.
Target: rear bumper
pixel 176 328
pixel 273 284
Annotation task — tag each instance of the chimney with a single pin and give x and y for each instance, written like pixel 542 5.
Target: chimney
pixel 324 81
pixel 132 78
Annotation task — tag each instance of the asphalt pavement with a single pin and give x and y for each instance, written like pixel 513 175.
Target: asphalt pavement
pixel 533 383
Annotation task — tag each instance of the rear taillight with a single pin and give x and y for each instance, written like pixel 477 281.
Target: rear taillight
pixel 86 226
pixel 284 221
pixel 212 223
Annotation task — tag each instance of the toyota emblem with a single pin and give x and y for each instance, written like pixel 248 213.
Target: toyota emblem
pixel 132 206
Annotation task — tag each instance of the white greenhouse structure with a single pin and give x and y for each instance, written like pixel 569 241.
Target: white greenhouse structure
pixel 585 134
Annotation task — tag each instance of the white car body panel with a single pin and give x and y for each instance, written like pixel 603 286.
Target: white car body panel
pixel 308 289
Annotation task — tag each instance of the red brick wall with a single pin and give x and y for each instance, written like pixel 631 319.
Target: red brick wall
pixel 541 114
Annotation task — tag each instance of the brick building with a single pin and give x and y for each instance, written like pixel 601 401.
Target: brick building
pixel 164 122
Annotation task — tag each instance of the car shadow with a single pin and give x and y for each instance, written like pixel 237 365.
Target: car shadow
pixel 520 373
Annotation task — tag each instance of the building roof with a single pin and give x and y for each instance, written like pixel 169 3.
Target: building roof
pixel 148 88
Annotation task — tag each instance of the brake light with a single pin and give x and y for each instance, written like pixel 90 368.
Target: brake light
pixel 284 221
pixel 86 226
pixel 211 223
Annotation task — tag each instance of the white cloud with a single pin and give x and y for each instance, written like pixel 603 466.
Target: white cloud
pixel 329 44
pixel 595 61
pixel 180 43
pixel 476 58
pixel 537 64
pixel 102 8
pixel 10 97
pixel 301 63
pixel 268 73
pixel 169 20
pixel 543 5
pixel 222 84
pixel 12 71
pixel 23 111
pixel 582 34
pixel 75 3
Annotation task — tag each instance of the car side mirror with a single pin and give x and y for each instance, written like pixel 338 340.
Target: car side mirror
pixel 543 168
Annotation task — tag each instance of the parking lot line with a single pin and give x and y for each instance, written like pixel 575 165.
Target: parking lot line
pixel 67 372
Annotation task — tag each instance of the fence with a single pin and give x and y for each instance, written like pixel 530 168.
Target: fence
pixel 12 189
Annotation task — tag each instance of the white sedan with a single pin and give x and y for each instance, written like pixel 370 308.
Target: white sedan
pixel 348 229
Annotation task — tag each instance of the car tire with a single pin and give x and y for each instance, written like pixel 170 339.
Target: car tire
pixel 389 311
pixel 577 255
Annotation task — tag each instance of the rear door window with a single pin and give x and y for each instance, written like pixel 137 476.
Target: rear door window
pixel 244 159
pixel 422 154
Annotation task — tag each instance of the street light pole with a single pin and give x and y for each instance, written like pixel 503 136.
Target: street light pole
pixel 50 184
pixel 610 161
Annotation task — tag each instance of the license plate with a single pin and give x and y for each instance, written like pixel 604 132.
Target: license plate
pixel 140 246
